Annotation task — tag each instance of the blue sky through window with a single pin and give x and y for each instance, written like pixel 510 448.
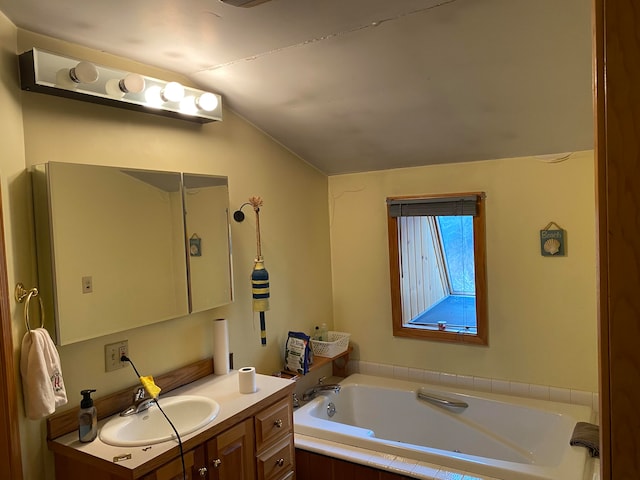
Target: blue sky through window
pixel 457 239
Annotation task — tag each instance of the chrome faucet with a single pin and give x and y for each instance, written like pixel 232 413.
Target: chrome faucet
pixel 140 403
pixel 320 387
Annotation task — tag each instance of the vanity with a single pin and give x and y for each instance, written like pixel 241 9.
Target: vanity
pixel 251 438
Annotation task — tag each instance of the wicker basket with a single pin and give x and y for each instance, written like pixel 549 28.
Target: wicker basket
pixel 338 343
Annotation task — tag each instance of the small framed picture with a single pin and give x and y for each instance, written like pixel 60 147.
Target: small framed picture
pixel 552 243
pixel 195 247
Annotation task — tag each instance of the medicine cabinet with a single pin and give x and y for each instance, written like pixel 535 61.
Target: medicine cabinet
pixel 120 248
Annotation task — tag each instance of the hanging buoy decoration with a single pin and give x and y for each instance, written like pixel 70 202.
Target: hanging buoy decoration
pixel 259 276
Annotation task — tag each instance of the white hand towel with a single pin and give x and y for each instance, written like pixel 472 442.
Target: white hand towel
pixel 42 384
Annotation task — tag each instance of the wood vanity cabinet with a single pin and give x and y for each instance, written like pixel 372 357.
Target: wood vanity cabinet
pixel 258 448
pixel 230 455
pixel 254 444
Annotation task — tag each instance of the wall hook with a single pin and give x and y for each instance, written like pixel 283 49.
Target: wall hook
pixel 238 216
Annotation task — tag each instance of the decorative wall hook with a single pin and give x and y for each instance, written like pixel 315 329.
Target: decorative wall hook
pixel 238 216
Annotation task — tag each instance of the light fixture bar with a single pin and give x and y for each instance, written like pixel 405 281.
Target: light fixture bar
pixel 53 74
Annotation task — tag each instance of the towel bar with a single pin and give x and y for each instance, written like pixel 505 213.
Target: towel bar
pixel 23 295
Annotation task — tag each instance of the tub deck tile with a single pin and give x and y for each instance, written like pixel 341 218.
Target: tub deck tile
pixel 380 459
pixel 402 465
pixel 384 461
pixel 426 471
pixel 475 477
pixel 449 475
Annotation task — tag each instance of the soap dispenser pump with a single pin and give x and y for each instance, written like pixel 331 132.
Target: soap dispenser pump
pixel 87 418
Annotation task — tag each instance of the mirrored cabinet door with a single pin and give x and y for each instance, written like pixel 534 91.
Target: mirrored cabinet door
pixel 112 252
pixel 206 203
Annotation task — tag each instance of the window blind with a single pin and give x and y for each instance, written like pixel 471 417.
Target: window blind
pixel 434 206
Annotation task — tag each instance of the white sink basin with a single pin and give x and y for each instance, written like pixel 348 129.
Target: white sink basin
pixel 188 413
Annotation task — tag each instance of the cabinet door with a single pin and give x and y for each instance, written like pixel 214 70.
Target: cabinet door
pixel 230 454
pixel 173 469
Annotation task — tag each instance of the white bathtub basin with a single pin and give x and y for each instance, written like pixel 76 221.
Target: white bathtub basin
pixel 188 413
pixel 501 436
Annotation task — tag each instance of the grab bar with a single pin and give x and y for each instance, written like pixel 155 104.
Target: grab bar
pixel 441 401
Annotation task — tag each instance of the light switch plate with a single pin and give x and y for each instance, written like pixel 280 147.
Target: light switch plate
pixel 112 354
pixel 87 284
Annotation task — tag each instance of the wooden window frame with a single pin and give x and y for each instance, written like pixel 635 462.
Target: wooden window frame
pixel 479 251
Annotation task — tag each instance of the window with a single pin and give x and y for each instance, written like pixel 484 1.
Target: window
pixel 438 268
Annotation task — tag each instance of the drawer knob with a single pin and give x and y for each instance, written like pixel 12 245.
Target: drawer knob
pixel 280 462
pixel 203 471
pixel 278 423
pixel 216 463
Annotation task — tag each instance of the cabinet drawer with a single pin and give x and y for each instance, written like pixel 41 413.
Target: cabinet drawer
pixel 288 476
pixel 277 462
pixel 273 423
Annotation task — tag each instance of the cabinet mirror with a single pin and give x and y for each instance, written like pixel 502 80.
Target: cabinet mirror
pixel 113 249
pixel 206 206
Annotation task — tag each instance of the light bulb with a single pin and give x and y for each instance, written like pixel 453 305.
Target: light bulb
pixel 131 83
pixel 112 87
pixel 153 96
pixel 207 102
pixel 172 92
pixel 63 80
pixel 84 72
pixel 188 105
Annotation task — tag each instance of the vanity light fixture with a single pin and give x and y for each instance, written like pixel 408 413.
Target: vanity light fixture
pixel 59 75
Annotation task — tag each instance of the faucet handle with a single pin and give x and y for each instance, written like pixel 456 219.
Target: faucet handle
pixel 138 394
pixel 321 380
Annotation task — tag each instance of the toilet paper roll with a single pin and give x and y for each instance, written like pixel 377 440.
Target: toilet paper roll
pixel 220 347
pixel 247 380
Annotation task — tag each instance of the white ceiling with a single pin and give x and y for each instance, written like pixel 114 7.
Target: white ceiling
pixel 357 85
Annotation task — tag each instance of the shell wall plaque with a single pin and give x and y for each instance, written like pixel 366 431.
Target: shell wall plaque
pixel 552 242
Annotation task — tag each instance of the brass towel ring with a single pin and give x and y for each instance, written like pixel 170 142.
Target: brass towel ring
pixel 23 295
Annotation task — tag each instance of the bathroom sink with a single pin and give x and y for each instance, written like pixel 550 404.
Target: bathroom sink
pixel 188 413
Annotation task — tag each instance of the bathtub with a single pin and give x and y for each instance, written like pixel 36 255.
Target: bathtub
pixel 500 436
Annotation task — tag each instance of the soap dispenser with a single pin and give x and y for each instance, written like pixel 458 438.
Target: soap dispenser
pixel 87 418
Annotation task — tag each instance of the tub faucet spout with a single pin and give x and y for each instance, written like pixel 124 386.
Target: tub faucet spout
pixel 313 391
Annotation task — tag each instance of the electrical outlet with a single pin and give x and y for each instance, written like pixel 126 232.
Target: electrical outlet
pixel 112 354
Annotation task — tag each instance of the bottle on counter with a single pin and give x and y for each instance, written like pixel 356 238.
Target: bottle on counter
pixel 324 333
pixel 87 418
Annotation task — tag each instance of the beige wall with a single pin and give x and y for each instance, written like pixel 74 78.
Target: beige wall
pixel 294 223
pixel 542 311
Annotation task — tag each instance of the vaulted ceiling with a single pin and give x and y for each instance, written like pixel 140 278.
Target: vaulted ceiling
pixel 358 85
